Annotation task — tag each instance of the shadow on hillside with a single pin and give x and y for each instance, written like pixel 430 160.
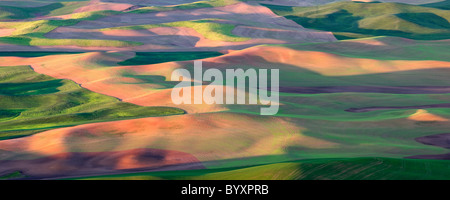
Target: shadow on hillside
pixel 28 12
pixel 429 20
pixel 343 21
pixel 445 5
pixel 152 79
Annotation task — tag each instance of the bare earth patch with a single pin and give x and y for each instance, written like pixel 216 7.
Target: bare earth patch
pixel 6 32
pixel 425 116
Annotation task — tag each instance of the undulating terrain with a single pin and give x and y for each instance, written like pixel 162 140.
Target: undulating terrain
pixel 85 89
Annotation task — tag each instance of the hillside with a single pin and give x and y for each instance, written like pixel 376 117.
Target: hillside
pixel 205 26
pixel 86 89
pixel 328 95
pixel 31 102
pixel 357 19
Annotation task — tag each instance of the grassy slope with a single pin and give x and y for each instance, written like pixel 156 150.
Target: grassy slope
pixel 324 169
pixel 309 106
pixel 31 102
pixel 13 175
pixel 209 28
pixel 383 133
pixel 356 19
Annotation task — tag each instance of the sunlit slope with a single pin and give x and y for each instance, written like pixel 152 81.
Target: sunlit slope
pixel 358 19
pixel 299 66
pixel 324 65
pixel 145 85
pixel 32 102
pixel 210 29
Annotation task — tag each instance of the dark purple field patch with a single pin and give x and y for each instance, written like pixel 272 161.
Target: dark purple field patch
pixel 440 140
pixel 367 109
pixel 369 89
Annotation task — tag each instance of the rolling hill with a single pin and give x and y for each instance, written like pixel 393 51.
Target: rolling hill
pixel 86 89
pixel 32 102
pixel 199 25
pixel 357 19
